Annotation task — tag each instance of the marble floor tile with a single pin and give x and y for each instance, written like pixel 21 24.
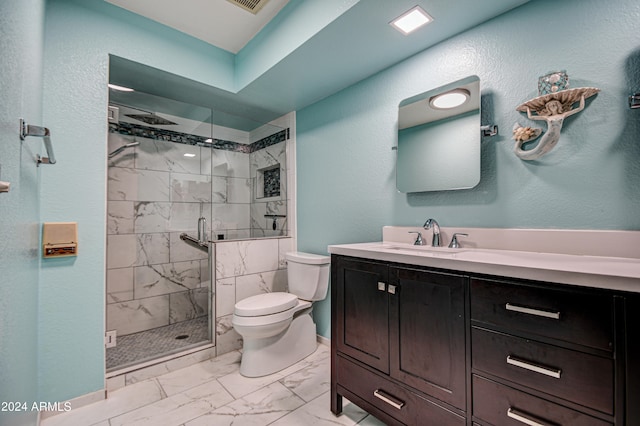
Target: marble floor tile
pixel 213 392
pixel 309 382
pixel 259 408
pixel 198 374
pixel 317 412
pixel 177 409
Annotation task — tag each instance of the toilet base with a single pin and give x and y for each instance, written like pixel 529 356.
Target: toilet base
pixel 261 357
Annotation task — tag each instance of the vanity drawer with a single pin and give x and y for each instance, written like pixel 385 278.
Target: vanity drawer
pixel 575 376
pixel 501 405
pixel 572 316
pixel 400 403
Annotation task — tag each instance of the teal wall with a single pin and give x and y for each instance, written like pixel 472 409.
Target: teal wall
pixel 298 21
pixel 80 36
pixel 591 180
pixel 21 43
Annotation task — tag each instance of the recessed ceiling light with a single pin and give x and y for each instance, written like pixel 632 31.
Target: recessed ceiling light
pixel 120 88
pixel 451 99
pixel 209 140
pixel 189 155
pixel 411 20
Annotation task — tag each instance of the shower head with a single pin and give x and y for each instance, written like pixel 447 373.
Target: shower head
pixel 122 148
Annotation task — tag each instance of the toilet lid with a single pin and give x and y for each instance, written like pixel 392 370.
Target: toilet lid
pixel 265 304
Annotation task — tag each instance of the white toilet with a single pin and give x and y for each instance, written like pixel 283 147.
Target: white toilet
pixel 277 328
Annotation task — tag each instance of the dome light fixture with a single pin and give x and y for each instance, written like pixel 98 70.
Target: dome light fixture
pixel 411 20
pixel 451 99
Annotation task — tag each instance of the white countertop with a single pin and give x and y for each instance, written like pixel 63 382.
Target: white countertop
pixel 615 273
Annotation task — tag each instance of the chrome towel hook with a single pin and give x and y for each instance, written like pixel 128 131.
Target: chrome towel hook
pixel 40 132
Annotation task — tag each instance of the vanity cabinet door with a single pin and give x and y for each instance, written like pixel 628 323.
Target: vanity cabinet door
pixel 427 332
pixel 362 311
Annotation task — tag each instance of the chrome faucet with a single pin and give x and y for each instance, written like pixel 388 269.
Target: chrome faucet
pixel 431 223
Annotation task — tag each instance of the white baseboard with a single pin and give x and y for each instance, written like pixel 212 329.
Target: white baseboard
pixel 74 403
pixel 323 340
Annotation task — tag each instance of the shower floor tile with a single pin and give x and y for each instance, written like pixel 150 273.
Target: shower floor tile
pixel 150 344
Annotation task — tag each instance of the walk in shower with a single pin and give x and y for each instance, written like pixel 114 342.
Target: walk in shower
pixel 180 179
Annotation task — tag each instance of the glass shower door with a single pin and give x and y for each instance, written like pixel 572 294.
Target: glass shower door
pixel 159 292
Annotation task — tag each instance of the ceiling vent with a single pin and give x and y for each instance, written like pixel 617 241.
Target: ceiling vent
pixel 252 6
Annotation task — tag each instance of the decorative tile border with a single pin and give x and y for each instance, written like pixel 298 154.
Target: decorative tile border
pixel 188 139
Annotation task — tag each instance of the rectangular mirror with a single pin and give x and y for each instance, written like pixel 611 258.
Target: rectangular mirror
pixel 438 140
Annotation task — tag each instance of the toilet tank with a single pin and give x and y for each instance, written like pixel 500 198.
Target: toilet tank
pixel 308 275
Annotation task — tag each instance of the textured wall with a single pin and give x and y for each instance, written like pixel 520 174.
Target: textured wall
pixel 591 179
pixel 80 36
pixel 21 40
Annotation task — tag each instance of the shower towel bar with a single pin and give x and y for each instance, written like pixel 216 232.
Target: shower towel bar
pixel 40 132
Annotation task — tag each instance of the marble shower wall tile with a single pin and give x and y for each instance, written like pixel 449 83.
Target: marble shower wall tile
pixel 152 249
pixel 186 188
pixel 119 285
pixel 285 245
pixel 227 338
pixel 184 217
pixel 151 217
pixel 218 189
pixel 120 217
pixel 225 163
pixel 138 315
pixel 121 251
pixel 225 296
pixel 188 305
pixel 167 156
pixel 246 257
pixel 154 280
pixel 137 185
pixel 265 282
pixel 238 190
pixel 230 216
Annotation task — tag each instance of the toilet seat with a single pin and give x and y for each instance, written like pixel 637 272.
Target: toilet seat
pixel 265 304
pixel 271 319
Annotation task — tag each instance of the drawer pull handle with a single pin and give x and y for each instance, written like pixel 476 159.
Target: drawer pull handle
pixel 551 372
pixel 393 401
pixel 526 419
pixel 530 311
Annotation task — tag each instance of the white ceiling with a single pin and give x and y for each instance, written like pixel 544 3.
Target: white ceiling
pixel 217 22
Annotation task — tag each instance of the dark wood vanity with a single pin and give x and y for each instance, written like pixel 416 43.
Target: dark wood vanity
pixel 421 346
